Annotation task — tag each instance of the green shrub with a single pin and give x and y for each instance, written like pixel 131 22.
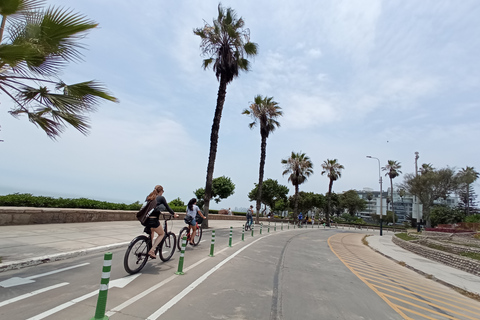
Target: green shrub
pixel 405 236
pixel 473 218
pixel 28 200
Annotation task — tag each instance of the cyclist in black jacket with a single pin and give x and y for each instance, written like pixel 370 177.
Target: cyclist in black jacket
pixel 153 221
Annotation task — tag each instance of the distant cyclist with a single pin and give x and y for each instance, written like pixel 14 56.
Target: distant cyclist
pixel 191 217
pixel 250 216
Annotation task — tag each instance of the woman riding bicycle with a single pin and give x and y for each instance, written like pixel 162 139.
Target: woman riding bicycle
pixel 192 210
pixel 153 221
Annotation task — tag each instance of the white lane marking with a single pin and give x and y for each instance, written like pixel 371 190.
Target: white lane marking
pixel 30 294
pixel 197 282
pixel 47 313
pixel 120 283
pixel 144 293
pixel 155 287
pixel 16 281
pixel 58 270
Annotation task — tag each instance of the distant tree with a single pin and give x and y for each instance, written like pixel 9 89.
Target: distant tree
pixel 466 177
pixel 351 201
pixel 467 201
pixel 333 170
pixel 227 44
pixel 393 170
pixel 40 43
pixel 299 167
pixel 176 203
pixel 443 214
pixel 271 194
pixel 264 111
pixel 309 201
pixel 390 217
pixel 222 188
pixel 429 186
pixel 426 168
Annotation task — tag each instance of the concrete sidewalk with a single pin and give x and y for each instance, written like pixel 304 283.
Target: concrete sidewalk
pixel 440 272
pixel 27 245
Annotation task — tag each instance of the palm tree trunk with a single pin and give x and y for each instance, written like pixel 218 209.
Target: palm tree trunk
pixel 295 207
pixel 222 92
pixel 391 200
pixel 468 199
pixel 327 216
pixel 263 155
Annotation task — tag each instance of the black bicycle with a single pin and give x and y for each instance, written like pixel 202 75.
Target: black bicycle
pixel 186 232
pixel 137 256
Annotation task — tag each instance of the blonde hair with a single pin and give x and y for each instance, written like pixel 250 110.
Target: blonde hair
pixel 156 191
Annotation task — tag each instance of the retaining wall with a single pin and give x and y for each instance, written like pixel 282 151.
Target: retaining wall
pixel 10 216
pixel 463 263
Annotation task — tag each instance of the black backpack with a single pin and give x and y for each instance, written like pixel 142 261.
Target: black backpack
pixel 146 210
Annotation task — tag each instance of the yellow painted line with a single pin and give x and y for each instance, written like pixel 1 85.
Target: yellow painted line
pixel 417 313
pixel 430 295
pixel 432 304
pixel 393 306
pixel 423 308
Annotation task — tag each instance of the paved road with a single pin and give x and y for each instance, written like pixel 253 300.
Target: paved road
pixel 294 274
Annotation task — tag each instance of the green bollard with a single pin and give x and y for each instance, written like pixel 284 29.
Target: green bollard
pixel 182 254
pixel 212 246
pixel 243 232
pixel 282 226
pixel 253 226
pixel 102 295
pixel 275 227
pixel 261 226
pixel 288 226
pixel 230 238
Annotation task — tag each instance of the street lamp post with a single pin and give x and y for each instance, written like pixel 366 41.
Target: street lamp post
pixel 415 198
pixel 381 202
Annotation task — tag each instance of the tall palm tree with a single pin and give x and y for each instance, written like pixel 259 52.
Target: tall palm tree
pixel 38 44
pixel 468 175
pixel 299 166
pixel 333 170
pixel 393 170
pixel 264 111
pixel 227 44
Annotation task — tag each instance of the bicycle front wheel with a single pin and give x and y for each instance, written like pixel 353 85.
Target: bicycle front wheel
pixel 183 233
pixel 198 236
pixel 167 246
pixel 136 255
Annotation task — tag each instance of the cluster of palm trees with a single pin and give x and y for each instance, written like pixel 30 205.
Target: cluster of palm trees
pixel 299 167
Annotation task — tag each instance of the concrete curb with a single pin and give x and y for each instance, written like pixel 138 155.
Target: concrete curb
pixel 56 257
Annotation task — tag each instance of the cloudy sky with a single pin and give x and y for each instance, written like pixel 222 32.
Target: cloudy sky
pixel 354 78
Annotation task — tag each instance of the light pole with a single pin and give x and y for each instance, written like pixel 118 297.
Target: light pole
pixel 381 201
pixel 416 200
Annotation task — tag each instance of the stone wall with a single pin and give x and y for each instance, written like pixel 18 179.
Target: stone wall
pixel 22 215
pixel 450 247
pixel 463 263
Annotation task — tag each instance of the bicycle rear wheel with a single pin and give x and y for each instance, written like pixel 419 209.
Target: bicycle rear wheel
pixel 198 236
pixel 167 246
pixel 183 233
pixel 136 255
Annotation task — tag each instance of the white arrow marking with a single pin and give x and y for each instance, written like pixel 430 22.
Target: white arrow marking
pixel 27 295
pixel 119 283
pixel 16 281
